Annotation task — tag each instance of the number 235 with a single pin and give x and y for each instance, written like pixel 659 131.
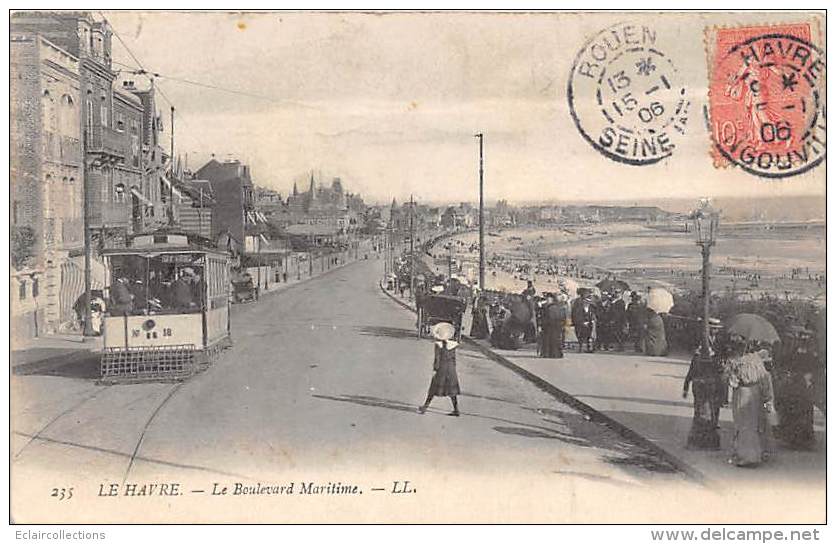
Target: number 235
pixel 62 493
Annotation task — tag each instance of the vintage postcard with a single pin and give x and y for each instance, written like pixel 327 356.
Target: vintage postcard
pixel 417 267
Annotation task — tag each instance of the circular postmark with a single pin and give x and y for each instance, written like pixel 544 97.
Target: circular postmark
pixel 766 103
pixel 626 97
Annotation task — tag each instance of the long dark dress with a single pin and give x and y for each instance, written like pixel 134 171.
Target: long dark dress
pixel 554 316
pixel 655 343
pixel 794 403
pixel 705 378
pixel 445 382
pixel 479 326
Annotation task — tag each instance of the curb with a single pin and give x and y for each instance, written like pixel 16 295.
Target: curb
pixel 584 408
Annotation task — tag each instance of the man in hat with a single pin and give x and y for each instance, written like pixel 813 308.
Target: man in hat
pixel 583 318
pixel 705 378
pixel 181 291
pixel 618 319
pixel 636 320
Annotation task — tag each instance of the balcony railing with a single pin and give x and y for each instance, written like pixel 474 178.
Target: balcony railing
pixel 108 141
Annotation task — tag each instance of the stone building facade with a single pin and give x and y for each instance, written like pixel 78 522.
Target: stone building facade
pixel 46 177
pixel 68 123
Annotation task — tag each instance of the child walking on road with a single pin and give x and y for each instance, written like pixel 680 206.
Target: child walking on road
pixel 445 381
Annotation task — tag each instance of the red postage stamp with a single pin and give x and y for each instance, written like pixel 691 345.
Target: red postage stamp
pixel 766 99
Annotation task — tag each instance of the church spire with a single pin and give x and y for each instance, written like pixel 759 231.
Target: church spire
pixel 295 190
pixel 312 190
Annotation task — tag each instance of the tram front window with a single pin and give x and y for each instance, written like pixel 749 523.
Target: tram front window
pixel 163 284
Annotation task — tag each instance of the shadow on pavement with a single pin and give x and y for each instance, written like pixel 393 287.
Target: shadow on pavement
pixel 580 433
pixel 641 400
pixel 371 401
pixel 78 364
pixel 619 451
pixel 390 332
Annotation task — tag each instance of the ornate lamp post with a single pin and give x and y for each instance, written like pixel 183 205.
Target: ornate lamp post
pixel 706 221
pixel 704 373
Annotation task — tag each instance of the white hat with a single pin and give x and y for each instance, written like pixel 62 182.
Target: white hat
pixel 443 331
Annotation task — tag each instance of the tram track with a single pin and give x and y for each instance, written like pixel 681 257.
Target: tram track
pixel 36 436
pixel 147 425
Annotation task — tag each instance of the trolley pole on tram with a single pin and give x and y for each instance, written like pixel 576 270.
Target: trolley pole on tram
pixel 481 213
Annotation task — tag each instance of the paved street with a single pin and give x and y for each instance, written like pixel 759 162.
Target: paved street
pixel 321 386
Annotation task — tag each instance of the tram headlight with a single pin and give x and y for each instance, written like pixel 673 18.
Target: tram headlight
pixel 149 324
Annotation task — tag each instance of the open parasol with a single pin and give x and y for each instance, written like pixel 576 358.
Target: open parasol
pixel 612 285
pixel 660 300
pixel 753 328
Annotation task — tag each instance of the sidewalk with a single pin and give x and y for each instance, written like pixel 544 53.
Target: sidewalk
pixel 57 355
pixel 645 394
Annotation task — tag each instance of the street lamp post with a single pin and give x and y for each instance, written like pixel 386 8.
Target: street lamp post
pixel 706 382
pixel 706 221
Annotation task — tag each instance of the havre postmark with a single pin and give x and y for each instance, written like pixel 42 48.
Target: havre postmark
pixel 766 99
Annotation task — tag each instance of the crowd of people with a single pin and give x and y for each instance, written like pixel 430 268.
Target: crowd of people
pixel 556 320
pixel 769 387
pixel 772 392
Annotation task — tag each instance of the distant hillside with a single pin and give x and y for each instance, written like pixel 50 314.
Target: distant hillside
pixel 734 209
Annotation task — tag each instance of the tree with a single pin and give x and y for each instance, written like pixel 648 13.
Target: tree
pixel 22 246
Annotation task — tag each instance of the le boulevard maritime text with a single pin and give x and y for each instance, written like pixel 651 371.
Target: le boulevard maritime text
pixel 173 489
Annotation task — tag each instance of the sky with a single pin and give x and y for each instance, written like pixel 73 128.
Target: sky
pixel 390 102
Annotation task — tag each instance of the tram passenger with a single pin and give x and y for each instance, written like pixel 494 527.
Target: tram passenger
pixel 121 299
pixel 181 289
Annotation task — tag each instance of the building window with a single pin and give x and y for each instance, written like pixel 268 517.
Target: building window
pixel 119 191
pixel 89 115
pixel 120 122
pixel 104 113
pixel 35 288
pixel 21 290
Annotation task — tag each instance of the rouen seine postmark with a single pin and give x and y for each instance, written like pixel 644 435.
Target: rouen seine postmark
pixel 766 108
pixel 626 96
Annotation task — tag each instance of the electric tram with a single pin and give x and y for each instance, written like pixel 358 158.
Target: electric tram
pixel 168 314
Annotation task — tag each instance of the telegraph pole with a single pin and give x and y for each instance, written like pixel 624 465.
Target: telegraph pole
pixel 481 214
pixel 88 314
pixel 411 247
pixel 171 163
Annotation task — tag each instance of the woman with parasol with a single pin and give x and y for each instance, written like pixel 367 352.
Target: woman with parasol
pixel 659 301
pixel 445 380
pixel 752 400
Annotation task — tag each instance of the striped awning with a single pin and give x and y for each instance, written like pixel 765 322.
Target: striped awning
pixel 171 187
